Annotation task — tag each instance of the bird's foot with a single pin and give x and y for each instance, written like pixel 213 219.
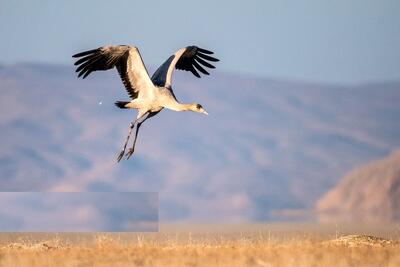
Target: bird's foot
pixel 120 155
pixel 130 152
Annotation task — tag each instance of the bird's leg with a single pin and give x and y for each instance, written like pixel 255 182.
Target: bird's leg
pixel 132 149
pixel 121 154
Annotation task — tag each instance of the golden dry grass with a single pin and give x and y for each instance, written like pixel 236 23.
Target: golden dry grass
pixel 202 248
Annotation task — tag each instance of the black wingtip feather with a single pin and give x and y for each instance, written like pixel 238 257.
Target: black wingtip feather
pixel 200 68
pixel 204 63
pixel 86 53
pixel 205 51
pixel 195 73
pixel 81 67
pixel 89 61
pixel 207 57
pixel 82 60
pixel 86 74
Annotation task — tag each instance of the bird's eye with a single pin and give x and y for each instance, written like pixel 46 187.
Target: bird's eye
pixel 198 106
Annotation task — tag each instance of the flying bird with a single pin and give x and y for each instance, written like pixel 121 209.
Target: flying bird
pixel 148 95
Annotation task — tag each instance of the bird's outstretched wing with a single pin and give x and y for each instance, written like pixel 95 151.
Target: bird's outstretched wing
pixel 125 58
pixel 191 58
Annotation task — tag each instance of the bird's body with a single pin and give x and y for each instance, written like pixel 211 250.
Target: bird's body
pixel 148 96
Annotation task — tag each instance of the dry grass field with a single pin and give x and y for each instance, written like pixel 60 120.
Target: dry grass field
pixel 209 245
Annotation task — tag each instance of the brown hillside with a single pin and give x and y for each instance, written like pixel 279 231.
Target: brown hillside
pixel 370 193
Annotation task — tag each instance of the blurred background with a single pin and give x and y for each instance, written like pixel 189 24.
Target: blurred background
pixel 304 107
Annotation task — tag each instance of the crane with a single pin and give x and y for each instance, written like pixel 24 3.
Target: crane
pixel 148 96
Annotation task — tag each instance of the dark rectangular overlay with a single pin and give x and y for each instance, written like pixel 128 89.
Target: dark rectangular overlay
pixel 78 211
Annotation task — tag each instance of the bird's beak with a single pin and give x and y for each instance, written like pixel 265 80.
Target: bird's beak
pixel 205 112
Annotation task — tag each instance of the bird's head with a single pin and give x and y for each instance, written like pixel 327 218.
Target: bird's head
pixel 195 107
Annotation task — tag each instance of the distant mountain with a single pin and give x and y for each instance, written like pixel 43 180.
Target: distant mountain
pixel 267 144
pixel 370 193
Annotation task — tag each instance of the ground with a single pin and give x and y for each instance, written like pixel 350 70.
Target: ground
pixel 209 245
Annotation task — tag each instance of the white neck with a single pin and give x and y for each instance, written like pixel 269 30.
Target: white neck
pixel 176 106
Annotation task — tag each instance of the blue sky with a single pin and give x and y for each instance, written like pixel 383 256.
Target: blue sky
pixel 323 41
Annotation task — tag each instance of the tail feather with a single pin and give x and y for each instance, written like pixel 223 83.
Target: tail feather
pixel 121 104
